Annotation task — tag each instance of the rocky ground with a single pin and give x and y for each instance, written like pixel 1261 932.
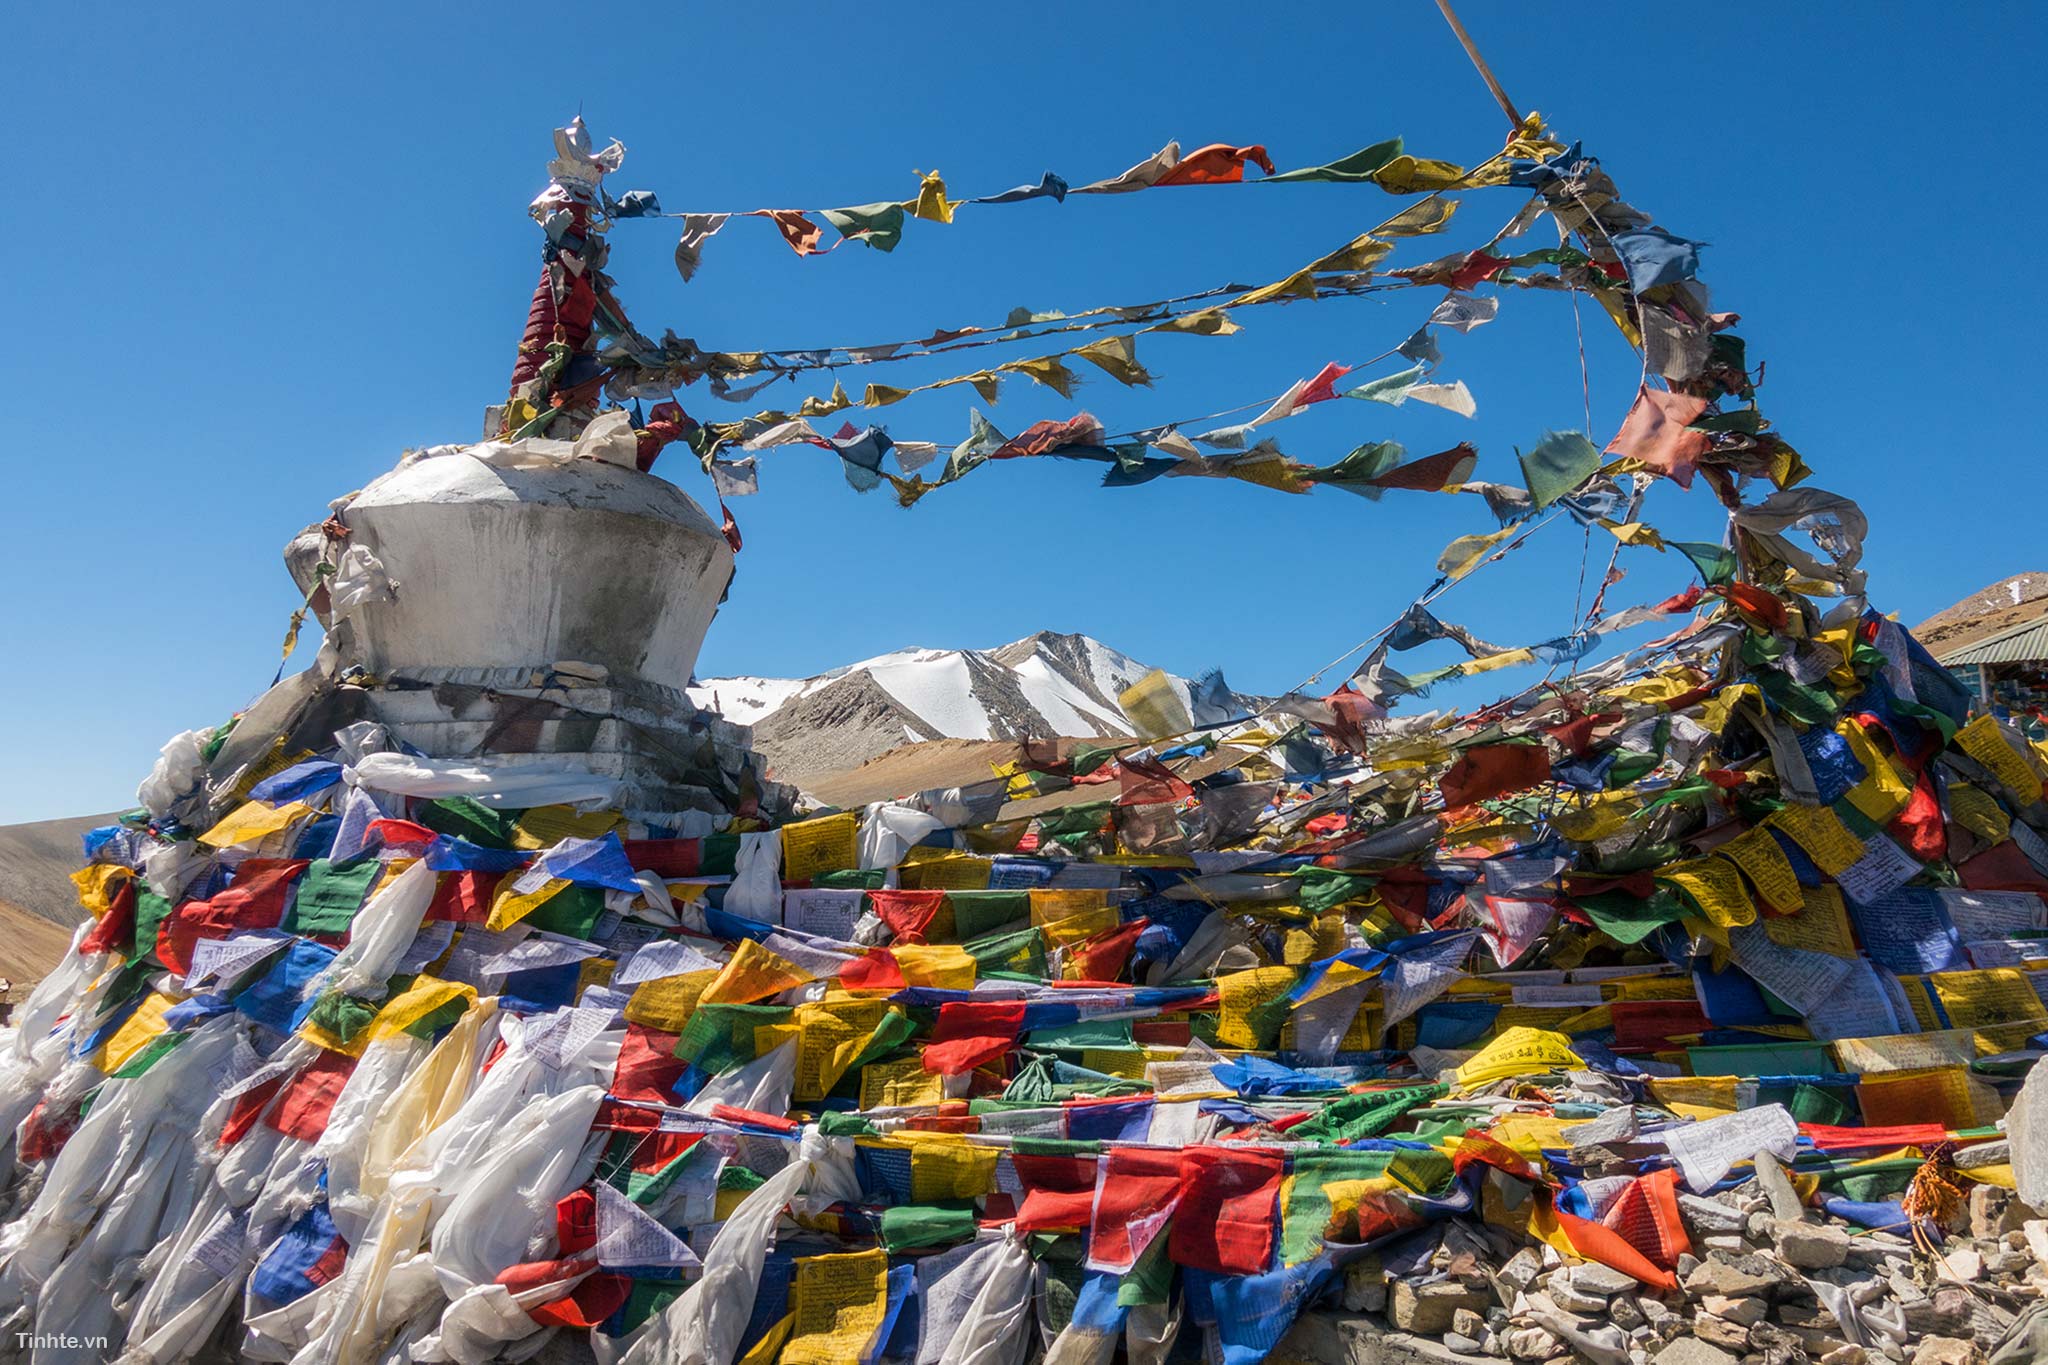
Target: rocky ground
pixel 1770 1282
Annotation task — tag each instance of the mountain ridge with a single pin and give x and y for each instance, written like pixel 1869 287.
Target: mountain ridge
pixel 1049 683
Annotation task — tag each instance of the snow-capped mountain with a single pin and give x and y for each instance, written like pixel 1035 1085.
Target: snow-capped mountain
pixel 1043 685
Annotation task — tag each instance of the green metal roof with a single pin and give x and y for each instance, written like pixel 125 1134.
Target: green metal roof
pixel 2023 643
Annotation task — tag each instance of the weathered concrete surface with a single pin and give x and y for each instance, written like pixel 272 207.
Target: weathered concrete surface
pixel 508 566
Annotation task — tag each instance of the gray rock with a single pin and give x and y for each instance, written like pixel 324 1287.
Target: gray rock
pixel 1463 1345
pixel 1365 1287
pixel 1777 1187
pixel 1520 1272
pixel 1568 1296
pixel 1354 1339
pixel 1626 1312
pixel 1656 1312
pixel 1708 1217
pixel 1691 1351
pixel 1947 1351
pixel 1594 1278
pixel 1733 1276
pixel 1721 1332
pixel 1427 1309
pixel 1811 1246
pixel 1994 1212
pixel 1533 1343
pixel 1744 1312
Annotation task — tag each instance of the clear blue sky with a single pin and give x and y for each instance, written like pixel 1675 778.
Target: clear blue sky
pixel 258 250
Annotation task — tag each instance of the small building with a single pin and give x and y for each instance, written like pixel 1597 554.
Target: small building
pixel 2007 671
pixel 1996 643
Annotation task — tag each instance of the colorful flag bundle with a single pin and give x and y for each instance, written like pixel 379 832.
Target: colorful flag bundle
pixel 347 1067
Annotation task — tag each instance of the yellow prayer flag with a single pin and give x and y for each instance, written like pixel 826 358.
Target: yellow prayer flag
pixel 947 1166
pixel 1716 888
pixel 831 1034
pixel 1977 811
pixel 252 822
pixel 1763 861
pixel 1997 995
pixel 931 869
pixel 836 1304
pixel 98 884
pixel 1417 175
pixel 1079 928
pixel 752 973
pixel 945 966
pixel 425 995
pixel 1819 831
pixel 510 906
pixel 1209 322
pixel 1419 220
pixel 1820 926
pixel 900 1084
pixel 137 1032
pixel 666 1002
pixel 1240 993
pixel 1466 553
pixel 1983 740
pixel 827 844
pixel 1300 285
pixel 1518 1051
pixel 1362 252
pixel 1883 792
pixel 931 204
pixel 546 826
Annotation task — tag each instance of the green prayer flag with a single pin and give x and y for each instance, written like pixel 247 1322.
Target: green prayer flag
pixel 877 225
pixel 344 1016
pixel 458 817
pixel 572 912
pixel 151 910
pixel 328 894
pixel 1362 164
pixel 1630 919
pixel 908 1226
pixel 1716 563
pixel 1558 463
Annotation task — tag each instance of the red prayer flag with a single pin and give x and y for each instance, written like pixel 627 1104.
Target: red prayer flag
pixel 1657 432
pixel 1920 828
pixel 308 1097
pixel 970 1032
pixel 1059 1191
pixel 907 913
pixel 669 859
pixel 1651 1025
pixel 1102 958
pixel 874 970
pixel 1226 1219
pixel 1145 781
pixel 400 833
pixel 1138 1192
pixel 116 927
pixel 1489 770
pixel 1041 438
pixel 1219 163
pixel 463 897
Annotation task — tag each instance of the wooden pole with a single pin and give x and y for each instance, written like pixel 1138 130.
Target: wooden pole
pixel 1485 72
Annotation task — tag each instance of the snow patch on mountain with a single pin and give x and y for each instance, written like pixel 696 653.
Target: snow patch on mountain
pixel 1042 685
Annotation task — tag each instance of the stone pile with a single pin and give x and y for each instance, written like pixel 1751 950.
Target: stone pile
pixel 1771 1281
